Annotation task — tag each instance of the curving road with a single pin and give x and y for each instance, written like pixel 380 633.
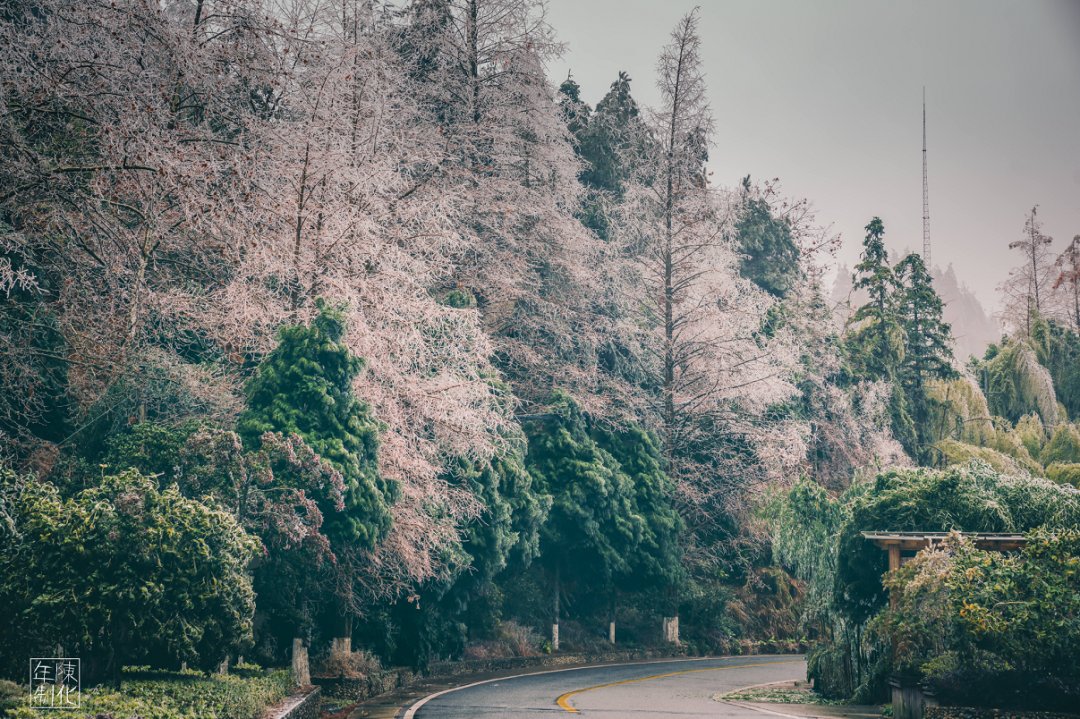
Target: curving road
pixel 644 690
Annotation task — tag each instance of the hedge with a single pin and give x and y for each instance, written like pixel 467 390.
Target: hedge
pixel 180 695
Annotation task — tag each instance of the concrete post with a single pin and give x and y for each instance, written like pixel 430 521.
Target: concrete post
pixel 301 672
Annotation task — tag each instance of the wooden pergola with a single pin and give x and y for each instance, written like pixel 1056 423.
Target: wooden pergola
pixel 904 545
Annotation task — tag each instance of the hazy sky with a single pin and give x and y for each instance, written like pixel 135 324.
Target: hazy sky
pixel 827 97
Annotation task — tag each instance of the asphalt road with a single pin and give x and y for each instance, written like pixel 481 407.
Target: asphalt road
pixel 649 690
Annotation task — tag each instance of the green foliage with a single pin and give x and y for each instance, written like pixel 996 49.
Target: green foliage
pixel 304 387
pixel 124 572
pixel 927 346
pixel 1016 384
pixel 656 559
pixel 1058 349
pixel 875 340
pixel 276 493
pixel 984 626
pixel 819 538
pixel 460 299
pixel 592 517
pixel 447 614
pixel 1031 434
pixel 961 453
pixel 1063 447
pixel 927 350
pixel 1064 473
pixel 805 521
pixel 11 696
pixel 149 448
pixel 606 142
pixel 182 695
pixel 960 412
pixel 972 499
pixel 34 351
pixel 770 257
pixel 612 524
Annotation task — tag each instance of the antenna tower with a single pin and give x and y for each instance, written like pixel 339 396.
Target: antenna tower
pixel 925 191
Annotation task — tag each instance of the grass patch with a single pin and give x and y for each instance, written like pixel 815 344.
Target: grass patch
pixel 781 695
pixel 179 695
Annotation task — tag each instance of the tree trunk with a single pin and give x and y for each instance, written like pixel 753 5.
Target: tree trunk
pixel 342 644
pixel 301 672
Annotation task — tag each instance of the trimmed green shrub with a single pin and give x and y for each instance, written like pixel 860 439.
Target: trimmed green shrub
pixel 988 628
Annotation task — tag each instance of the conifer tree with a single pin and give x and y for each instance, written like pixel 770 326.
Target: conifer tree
pixel 927 339
pixel 443 614
pixel 656 562
pixel 592 517
pixel 612 138
pixel 304 387
pixel 875 341
pixel 874 333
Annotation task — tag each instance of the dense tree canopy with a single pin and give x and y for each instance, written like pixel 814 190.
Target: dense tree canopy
pixel 124 573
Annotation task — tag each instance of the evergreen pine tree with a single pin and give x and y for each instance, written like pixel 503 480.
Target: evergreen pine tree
pixel 656 561
pixel 304 387
pixel 574 110
pixel 927 341
pixel 875 341
pixel 874 333
pixel 613 133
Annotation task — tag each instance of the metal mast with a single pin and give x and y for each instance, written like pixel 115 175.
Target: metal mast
pixel 925 191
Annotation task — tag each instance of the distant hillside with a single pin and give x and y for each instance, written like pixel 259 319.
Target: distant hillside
pixel 972 328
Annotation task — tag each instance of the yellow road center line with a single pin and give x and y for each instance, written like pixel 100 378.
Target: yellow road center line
pixel 564 700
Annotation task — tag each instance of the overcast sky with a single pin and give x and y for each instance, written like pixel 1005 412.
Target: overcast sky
pixel 827 97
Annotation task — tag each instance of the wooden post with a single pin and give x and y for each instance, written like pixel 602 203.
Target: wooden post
pixel 894 564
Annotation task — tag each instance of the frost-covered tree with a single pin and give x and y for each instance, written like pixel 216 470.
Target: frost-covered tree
pixel 1027 292
pixel 1067 282
pixel 711 369
pixel 509 165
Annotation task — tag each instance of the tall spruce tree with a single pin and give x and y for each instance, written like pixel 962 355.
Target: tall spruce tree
pixel 874 341
pixel 874 335
pixel 927 342
pixel 443 615
pixel 612 138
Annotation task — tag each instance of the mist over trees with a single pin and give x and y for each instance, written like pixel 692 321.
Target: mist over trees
pixel 423 352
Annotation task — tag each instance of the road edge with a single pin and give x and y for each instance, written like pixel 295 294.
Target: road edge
pixel 410 711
